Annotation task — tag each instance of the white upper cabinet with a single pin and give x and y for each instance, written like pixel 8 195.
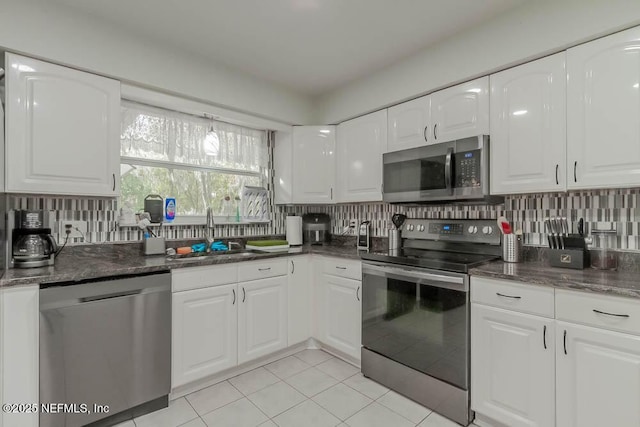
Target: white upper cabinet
pixel 603 112
pixel 361 143
pixel 409 125
pixel 62 130
pixel 314 164
pixel 528 137
pixel 461 111
pixel 283 167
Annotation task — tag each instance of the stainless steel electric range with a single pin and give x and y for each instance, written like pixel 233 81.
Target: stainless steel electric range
pixel 415 311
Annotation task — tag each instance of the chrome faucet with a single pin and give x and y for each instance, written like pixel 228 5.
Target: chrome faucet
pixel 208 229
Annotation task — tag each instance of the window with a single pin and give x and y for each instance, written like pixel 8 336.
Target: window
pixel 197 160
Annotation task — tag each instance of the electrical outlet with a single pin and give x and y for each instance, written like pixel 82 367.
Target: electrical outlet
pixel 352 223
pixel 75 226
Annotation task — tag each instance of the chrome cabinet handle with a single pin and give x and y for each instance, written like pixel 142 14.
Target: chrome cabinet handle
pixel 114 182
pixel 425 133
pixel 244 295
pixel 610 314
pixel 341 268
pixel 234 297
pixel 544 337
pixel 264 269
pixel 557 166
pixel 507 296
pixel 358 293
pixel 565 341
pixel 293 267
pixel 331 190
pixel 575 169
pixel 435 130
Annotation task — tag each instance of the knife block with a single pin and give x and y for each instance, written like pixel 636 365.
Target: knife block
pixel 574 258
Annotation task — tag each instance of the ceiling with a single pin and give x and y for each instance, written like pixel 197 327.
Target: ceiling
pixel 309 46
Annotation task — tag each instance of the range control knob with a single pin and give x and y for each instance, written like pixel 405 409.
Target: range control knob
pixel 472 229
pixel 421 227
pixel 487 229
pixel 410 227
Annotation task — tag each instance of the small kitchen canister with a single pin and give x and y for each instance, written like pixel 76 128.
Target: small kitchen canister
pixel 512 247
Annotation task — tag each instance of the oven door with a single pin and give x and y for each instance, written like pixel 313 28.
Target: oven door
pixel 419 318
pixel 419 174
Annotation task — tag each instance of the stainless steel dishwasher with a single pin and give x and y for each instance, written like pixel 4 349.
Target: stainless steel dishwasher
pixel 104 342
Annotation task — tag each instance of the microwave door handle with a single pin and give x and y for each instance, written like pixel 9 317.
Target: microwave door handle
pixel 448 171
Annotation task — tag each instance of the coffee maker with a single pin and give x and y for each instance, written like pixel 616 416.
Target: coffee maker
pixel 31 244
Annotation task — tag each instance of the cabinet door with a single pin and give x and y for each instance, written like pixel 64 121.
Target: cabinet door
pixel 19 352
pixel 314 164
pixel 63 130
pixel 409 125
pixel 299 291
pixel 512 367
pixel 603 112
pixel 361 143
pixel 461 111
pixel 204 338
pixel 262 317
pixel 282 166
pixel 528 138
pixel 342 314
pixel 598 377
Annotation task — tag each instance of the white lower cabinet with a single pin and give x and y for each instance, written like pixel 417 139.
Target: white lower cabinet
pixel 262 317
pixel 299 298
pixel 598 377
pixel 19 326
pixel 512 366
pixel 204 332
pixel 339 309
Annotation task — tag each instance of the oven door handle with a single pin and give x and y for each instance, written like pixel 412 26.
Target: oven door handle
pixel 448 171
pixel 438 280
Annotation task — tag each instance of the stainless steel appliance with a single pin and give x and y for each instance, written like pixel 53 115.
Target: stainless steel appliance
pixel 415 311
pixel 105 342
pixel 446 172
pixel 31 243
pixel 316 228
pixel 364 235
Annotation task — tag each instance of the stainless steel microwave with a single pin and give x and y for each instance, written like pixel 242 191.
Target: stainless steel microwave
pixel 446 172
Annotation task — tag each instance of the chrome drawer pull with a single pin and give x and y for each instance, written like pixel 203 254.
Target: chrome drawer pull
pixel 507 296
pixel 610 314
pixel 341 268
pixel 264 269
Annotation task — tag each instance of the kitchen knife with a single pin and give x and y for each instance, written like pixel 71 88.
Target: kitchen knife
pixel 547 229
pixel 560 231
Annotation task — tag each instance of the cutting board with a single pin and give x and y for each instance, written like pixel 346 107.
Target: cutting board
pixel 268 245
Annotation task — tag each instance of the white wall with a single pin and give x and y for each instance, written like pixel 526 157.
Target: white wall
pixel 58 34
pixel 537 28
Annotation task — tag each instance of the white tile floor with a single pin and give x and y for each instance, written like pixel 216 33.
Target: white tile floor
pixel 311 388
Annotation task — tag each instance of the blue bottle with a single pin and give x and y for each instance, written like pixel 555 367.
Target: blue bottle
pixel 169 209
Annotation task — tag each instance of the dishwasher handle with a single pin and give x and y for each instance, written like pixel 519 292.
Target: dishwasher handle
pixel 109 296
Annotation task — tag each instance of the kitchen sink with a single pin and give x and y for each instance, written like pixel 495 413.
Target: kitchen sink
pixel 197 256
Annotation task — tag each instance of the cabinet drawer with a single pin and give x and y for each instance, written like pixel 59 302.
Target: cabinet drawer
pixel 184 279
pixel 255 270
pixel 602 311
pixel 513 296
pixel 349 269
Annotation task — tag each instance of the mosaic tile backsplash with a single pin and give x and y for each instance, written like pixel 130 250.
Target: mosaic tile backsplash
pixel 601 209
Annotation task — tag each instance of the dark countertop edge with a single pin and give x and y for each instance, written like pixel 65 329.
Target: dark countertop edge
pixel 340 252
pixel 563 280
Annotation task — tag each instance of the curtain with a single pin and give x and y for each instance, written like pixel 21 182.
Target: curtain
pixel 167 136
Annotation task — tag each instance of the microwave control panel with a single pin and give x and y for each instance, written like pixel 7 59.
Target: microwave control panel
pixel 467 169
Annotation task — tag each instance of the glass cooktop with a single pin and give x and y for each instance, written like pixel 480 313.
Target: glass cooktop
pixel 437 260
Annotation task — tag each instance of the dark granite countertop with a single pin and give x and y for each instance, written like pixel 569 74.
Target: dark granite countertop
pixel 616 283
pixel 96 261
